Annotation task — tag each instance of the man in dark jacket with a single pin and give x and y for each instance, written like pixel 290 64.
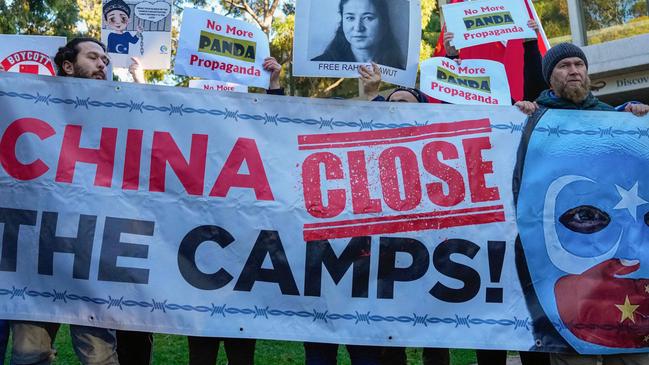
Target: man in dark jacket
pixel 565 69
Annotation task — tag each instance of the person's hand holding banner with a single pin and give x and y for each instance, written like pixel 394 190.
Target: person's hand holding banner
pixel 216 47
pixel 271 65
pixel 486 21
pixel 469 82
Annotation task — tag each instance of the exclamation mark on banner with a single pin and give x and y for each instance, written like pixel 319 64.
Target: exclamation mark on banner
pixel 496 251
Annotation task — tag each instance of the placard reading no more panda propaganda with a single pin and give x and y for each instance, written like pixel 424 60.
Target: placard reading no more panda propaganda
pixel 475 82
pixel 486 21
pixel 216 47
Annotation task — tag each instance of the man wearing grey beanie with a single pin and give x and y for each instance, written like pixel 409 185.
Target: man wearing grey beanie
pixel 565 69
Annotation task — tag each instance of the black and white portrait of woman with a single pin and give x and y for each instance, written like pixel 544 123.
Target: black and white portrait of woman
pixel 366 31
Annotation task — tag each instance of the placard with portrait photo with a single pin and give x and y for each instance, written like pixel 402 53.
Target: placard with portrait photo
pixel 334 38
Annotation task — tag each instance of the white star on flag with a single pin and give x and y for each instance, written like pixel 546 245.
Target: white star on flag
pixel 630 200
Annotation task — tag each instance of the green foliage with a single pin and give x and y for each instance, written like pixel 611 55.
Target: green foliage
pixel 431 28
pixel 260 11
pixel 42 17
pixel 554 17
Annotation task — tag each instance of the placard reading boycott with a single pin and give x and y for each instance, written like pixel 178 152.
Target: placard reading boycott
pixel 486 21
pixel 29 54
pixel 476 82
pixel 217 86
pixel 216 47
pixel 334 38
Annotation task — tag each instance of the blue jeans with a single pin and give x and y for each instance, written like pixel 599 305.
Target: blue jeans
pixel 32 344
pixel 327 354
pixel 4 336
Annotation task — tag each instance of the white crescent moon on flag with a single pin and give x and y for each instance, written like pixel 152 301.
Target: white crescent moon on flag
pixel 121 49
pixel 560 257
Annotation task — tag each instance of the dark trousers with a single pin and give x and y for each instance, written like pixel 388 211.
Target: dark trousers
pixel 205 350
pixel 499 357
pixel 435 356
pixel 327 354
pixel 394 356
pixel 4 337
pixel 134 348
pixel 430 356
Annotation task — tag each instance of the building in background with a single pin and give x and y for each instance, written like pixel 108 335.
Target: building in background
pixel 615 37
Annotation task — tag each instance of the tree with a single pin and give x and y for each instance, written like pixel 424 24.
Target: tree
pixel 260 11
pixel 554 17
pixel 90 16
pixel 41 17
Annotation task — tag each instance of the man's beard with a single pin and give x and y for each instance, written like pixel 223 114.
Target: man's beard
pixel 574 92
pixel 85 74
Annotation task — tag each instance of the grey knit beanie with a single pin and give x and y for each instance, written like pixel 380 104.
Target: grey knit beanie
pixel 558 53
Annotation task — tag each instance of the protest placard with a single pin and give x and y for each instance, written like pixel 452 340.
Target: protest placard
pixel 334 38
pixel 216 47
pixel 477 82
pixel 320 220
pixel 217 86
pixel 486 21
pixel 137 28
pixel 30 54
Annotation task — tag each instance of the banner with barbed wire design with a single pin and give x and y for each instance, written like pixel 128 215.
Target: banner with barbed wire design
pixel 257 216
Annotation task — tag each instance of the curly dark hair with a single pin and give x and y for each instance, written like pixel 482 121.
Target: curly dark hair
pixel 70 51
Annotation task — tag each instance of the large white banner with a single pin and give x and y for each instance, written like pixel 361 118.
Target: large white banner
pixel 29 53
pixel 216 47
pixel 334 38
pixel 138 28
pixel 476 82
pixel 486 21
pixel 258 216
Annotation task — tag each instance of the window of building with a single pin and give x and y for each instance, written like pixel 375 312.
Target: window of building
pixel 607 20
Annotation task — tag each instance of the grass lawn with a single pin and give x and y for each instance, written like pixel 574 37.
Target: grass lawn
pixel 172 350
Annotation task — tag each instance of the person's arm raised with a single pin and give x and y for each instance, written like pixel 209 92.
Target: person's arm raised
pixel 371 80
pixel 136 70
pixel 271 65
pixel 451 51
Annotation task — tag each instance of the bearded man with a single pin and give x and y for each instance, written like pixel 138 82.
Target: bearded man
pixel 32 341
pixel 565 69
